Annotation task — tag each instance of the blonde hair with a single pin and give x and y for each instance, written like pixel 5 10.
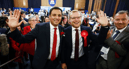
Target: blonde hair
pixel 73 11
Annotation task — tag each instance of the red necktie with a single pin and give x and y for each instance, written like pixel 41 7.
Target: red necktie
pixel 53 56
pixel 76 45
pixel 117 32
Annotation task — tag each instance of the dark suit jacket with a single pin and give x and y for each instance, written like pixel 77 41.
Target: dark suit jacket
pixel 2 30
pixel 67 41
pixel 42 34
pixel 121 49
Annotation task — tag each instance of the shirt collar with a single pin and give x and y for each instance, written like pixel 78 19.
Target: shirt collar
pixel 79 29
pixel 121 29
pixel 52 27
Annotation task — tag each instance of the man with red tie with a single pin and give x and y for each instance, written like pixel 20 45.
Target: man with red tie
pixel 76 40
pixel 47 54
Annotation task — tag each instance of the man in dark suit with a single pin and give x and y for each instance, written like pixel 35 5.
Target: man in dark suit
pixel 75 51
pixel 115 50
pixel 48 39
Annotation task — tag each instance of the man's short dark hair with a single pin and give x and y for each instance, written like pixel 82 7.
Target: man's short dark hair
pixel 122 12
pixel 54 9
pixel 3 21
pixel 65 15
pixel 22 12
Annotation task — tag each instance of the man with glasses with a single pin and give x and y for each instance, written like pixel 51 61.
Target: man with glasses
pixel 76 40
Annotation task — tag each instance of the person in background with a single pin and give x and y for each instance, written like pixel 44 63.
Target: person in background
pixel 47 19
pixel 86 23
pixel 65 20
pixel 31 10
pixel 4 10
pixel 18 47
pixel 3 58
pixel 30 47
pixel 23 19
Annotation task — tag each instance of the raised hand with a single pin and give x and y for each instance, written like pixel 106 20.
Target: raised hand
pixel 102 18
pixel 109 34
pixel 14 20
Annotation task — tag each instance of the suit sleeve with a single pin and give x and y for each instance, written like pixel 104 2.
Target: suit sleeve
pixel 99 39
pixel 102 35
pixel 119 48
pixel 18 37
pixel 126 43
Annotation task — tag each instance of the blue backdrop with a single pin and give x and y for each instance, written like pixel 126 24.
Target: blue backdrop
pixel 26 9
pixel 86 4
pixel 123 5
pixel 6 4
pixel 102 6
pixel 69 3
pixel 109 8
pixel 92 5
pixel 34 3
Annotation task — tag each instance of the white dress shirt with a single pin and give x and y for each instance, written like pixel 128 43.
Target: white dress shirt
pixel 104 49
pixel 81 53
pixel 51 40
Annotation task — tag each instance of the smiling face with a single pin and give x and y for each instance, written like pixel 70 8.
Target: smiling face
pixel 75 19
pixel 55 17
pixel 121 21
pixel 33 21
pixel 65 19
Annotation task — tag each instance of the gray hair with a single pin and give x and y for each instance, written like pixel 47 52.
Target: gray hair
pixel 31 17
pixel 122 12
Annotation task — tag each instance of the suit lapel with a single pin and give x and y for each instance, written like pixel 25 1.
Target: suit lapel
pixel 68 36
pixel 82 37
pixel 122 34
pixel 60 30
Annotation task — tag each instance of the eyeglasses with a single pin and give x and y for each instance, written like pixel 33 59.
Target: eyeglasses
pixel 33 20
pixel 75 17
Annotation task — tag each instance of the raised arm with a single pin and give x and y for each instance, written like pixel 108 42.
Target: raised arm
pixel 102 18
pixel 14 20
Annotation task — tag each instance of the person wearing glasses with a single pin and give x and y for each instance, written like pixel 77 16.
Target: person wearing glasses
pixel 30 48
pixel 76 40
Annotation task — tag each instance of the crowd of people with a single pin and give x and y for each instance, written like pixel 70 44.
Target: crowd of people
pixel 65 40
